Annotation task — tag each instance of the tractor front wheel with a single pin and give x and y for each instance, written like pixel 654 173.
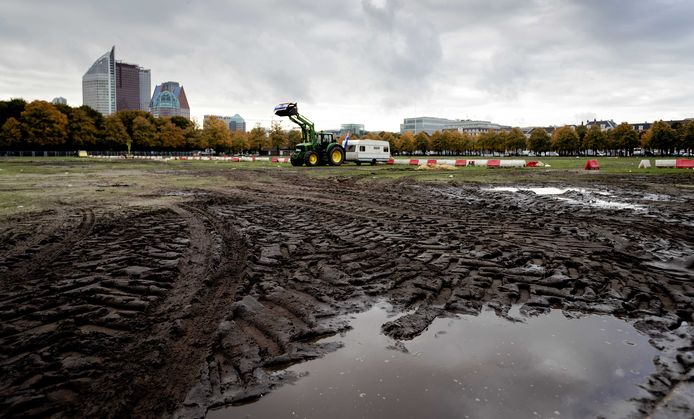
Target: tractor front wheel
pixel 311 159
pixel 336 156
pixel 296 161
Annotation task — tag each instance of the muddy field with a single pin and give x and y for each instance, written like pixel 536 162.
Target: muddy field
pixel 173 309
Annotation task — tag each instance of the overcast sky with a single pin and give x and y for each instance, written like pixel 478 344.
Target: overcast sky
pixel 514 62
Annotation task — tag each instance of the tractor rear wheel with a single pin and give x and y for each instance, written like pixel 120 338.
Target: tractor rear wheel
pixel 336 156
pixel 311 158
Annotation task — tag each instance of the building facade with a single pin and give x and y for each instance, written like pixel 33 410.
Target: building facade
pixel 471 127
pixel 235 123
pixel 430 125
pixel 132 87
pixel 145 79
pixel 99 84
pixel 169 99
pixel 424 124
pixel 59 101
pixel 352 128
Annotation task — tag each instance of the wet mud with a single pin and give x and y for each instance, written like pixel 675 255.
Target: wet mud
pixel 203 303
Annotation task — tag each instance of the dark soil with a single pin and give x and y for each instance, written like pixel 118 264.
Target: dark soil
pixel 171 311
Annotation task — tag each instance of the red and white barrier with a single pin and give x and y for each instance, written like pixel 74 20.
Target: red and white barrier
pixel 666 163
pixel 591 165
pixel 684 164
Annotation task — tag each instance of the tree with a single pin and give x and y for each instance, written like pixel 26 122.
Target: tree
pixel 216 134
pixel 257 138
pixel 515 141
pixel 581 131
pixel 595 139
pixel 44 125
pixel 239 141
pixel 436 142
pixel 192 136
pixel 625 137
pixel 406 143
pixel 685 132
pixel 565 140
pixel 278 138
pixel 661 137
pixel 12 108
pixel 115 133
pixel 144 133
pixel 539 141
pixel 82 131
pixel 11 134
pixel 421 142
pixel 293 138
pixel 170 135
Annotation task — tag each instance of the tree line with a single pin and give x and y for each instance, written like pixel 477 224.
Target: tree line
pixel 567 140
pixel 40 125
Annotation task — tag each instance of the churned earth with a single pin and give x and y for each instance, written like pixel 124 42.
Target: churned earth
pixel 185 299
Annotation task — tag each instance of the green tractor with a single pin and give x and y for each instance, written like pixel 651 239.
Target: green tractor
pixel 315 148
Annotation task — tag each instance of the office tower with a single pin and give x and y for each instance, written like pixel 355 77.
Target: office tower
pixel 99 84
pixel 169 99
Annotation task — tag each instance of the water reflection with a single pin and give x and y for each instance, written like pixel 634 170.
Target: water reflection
pixel 482 366
pixel 573 196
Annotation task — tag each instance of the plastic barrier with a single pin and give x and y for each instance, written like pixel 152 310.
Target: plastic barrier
pixel 511 163
pixel 531 164
pixel 684 164
pixel 414 162
pixel 431 161
pixel 591 165
pixel 494 163
pixel 665 163
pixel 391 161
pixel 275 160
pixel 645 164
pixel 459 163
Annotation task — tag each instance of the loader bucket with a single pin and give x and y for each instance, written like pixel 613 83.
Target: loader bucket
pixel 286 109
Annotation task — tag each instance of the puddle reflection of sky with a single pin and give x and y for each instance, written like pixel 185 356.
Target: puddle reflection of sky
pixel 468 366
pixel 576 196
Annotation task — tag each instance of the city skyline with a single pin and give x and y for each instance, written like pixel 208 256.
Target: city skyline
pixel 373 62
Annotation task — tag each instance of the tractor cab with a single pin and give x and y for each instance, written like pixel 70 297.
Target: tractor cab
pixel 325 138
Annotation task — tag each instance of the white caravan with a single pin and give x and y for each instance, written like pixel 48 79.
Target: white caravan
pixel 367 151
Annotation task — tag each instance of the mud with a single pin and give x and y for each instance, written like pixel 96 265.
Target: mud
pixel 172 310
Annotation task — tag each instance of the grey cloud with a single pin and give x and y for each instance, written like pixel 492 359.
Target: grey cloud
pixel 477 55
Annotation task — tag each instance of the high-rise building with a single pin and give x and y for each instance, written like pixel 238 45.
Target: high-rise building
pixel 145 88
pixel 99 84
pixel 235 123
pixel 169 99
pixel 59 101
pixel 132 86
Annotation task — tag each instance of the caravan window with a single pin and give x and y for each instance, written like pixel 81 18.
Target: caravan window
pixel 362 148
pixel 351 148
pixel 385 149
pixel 377 148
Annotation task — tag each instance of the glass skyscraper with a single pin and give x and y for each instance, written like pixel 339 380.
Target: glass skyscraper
pixel 99 84
pixel 169 99
pixel 132 87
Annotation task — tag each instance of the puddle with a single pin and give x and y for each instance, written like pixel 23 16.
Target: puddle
pixel 575 196
pixel 467 366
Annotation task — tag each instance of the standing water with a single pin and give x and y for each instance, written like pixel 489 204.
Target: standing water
pixel 468 366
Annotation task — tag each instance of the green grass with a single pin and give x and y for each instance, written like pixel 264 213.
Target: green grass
pixel 28 184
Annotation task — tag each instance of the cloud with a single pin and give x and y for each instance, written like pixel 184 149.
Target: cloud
pixel 370 61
